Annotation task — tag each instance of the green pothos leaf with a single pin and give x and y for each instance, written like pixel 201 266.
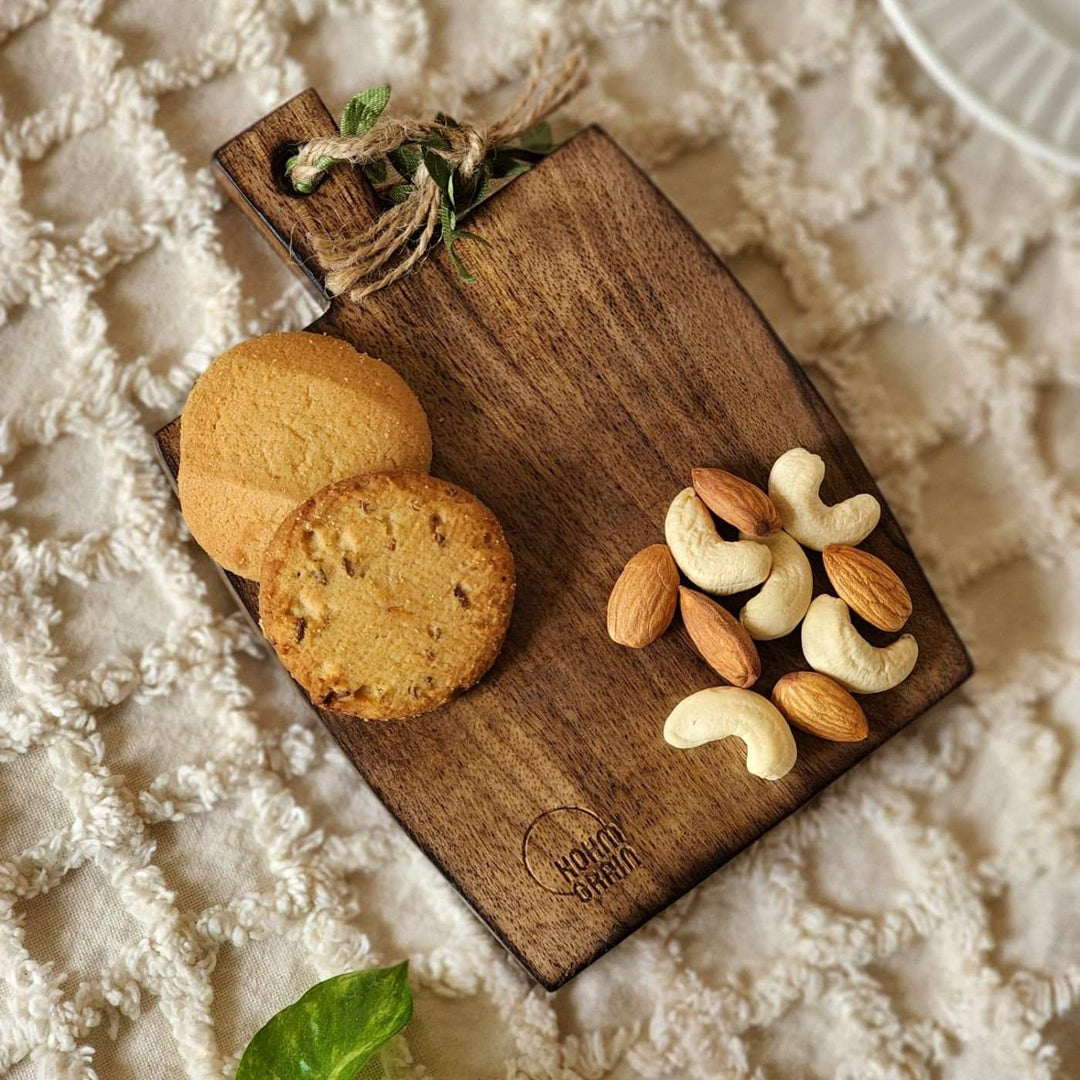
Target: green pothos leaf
pixel 330 1032
pixel 363 110
pixel 400 192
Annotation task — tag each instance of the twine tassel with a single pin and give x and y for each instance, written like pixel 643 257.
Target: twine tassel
pixel 352 259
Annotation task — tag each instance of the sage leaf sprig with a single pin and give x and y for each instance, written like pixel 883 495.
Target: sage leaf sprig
pixel 330 1032
pixel 393 174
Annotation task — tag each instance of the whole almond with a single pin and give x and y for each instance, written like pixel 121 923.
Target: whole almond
pixel 642 603
pixel 868 586
pixel 821 706
pixel 736 501
pixel 720 638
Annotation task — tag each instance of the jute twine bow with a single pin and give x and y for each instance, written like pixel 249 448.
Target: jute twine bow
pixel 363 261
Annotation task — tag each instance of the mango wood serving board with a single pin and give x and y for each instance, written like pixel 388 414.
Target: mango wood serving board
pixel 603 352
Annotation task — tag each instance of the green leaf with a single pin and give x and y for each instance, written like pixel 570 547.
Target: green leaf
pixel 363 109
pixel 447 219
pixel 446 121
pixel 449 240
pixel 437 140
pixel 506 163
pixel 538 138
pixel 463 271
pixel 465 189
pixel 400 192
pixel 487 189
pixel 406 159
pixel 438 168
pixel 461 234
pixel 332 1030
pixel 515 169
pixel 375 171
pixel 519 153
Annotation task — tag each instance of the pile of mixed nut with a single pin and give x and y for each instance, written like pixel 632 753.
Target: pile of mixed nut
pixel 773 529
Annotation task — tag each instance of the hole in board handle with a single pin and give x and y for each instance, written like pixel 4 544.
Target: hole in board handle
pixel 278 160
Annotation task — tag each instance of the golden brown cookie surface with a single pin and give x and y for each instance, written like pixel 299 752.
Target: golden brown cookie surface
pixel 274 419
pixel 387 595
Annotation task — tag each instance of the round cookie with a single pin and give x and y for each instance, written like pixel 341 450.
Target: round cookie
pixel 386 595
pixel 274 419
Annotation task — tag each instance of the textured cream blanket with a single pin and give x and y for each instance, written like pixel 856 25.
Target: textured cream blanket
pixel 182 850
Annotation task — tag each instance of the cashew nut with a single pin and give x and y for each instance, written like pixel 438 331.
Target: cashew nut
pixel 728 710
pixel 782 601
pixel 834 647
pixel 716 565
pixel 793 486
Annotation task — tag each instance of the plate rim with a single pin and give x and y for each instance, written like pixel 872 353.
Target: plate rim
pixel 940 71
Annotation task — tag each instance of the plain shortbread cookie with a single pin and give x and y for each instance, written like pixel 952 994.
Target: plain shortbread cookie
pixel 276 418
pixel 387 595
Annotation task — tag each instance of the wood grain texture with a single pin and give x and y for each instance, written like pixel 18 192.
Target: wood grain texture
pixel 603 353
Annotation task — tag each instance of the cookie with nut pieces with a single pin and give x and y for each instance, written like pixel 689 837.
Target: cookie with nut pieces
pixel 387 595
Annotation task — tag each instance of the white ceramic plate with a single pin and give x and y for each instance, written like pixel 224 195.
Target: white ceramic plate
pixel 1014 63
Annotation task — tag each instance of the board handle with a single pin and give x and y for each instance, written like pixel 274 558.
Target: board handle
pixel 251 167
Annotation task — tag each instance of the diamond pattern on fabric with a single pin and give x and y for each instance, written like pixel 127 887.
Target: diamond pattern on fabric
pixel 183 850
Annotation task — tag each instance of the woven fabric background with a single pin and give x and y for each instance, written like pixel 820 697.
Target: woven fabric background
pixel 183 851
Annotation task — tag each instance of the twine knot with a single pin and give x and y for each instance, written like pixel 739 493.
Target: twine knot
pixel 431 171
pixel 475 149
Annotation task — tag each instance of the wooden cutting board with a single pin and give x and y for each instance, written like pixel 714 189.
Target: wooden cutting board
pixel 603 352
